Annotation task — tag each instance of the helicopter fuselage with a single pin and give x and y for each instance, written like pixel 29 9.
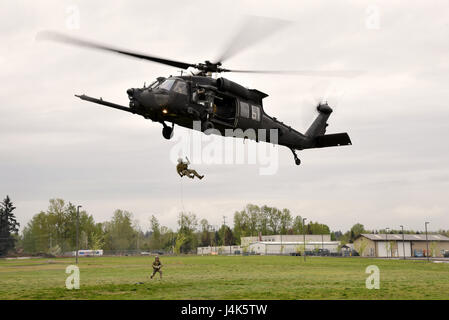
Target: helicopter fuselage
pixel 220 106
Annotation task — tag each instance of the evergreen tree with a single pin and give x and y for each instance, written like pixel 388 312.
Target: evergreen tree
pixel 8 226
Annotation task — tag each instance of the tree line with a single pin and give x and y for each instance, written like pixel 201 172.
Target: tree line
pixel 53 231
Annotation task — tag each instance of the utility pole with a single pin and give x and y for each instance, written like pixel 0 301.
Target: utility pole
pixel 403 244
pixel 224 234
pixel 304 236
pixel 427 242
pixel 386 240
pixel 282 250
pixel 224 230
pixel 210 236
pixel 77 231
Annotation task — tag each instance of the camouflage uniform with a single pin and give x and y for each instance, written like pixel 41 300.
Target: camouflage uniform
pixel 183 170
pixel 157 265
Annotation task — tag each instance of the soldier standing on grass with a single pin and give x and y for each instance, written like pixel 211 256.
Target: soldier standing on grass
pixel 157 265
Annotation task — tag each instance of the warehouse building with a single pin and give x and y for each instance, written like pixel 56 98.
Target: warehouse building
pixel 227 250
pixel 398 245
pixel 289 247
pixel 246 241
pixel 275 244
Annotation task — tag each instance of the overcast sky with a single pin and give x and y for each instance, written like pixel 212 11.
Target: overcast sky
pixel 396 172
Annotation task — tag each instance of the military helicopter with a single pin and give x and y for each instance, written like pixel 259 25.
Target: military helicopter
pixel 216 103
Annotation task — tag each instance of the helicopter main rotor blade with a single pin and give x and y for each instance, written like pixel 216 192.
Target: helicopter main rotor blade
pixel 253 30
pixel 59 37
pixel 312 73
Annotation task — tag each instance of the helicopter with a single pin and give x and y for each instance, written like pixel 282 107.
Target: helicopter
pixel 217 104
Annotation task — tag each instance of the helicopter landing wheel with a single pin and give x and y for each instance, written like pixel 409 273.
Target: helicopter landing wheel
pixel 297 160
pixel 167 132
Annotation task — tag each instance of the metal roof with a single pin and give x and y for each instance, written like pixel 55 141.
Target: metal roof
pixel 407 237
pixel 296 242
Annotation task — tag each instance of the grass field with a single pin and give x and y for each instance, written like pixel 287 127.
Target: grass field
pixel 222 277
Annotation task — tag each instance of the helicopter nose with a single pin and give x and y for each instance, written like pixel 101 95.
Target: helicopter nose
pixel 131 93
pixel 133 98
pixel 161 100
pixel 153 100
pixel 148 100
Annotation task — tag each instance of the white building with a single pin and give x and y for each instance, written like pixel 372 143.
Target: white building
pixel 398 245
pixel 88 253
pixel 274 247
pixel 246 241
pixel 219 250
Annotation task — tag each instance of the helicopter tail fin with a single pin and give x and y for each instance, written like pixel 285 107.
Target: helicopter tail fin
pixel 319 125
pixel 318 129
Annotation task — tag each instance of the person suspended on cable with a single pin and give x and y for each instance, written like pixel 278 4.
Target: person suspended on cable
pixel 183 169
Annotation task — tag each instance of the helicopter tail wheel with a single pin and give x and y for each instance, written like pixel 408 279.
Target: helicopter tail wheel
pixel 167 131
pixel 206 126
pixel 297 160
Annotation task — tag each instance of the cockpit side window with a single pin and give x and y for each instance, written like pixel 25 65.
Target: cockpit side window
pixel 244 109
pixel 180 87
pixel 167 84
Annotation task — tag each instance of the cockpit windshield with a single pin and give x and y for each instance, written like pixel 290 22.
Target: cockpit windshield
pixel 153 85
pixel 167 84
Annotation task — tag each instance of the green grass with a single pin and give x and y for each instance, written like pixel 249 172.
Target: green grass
pixel 221 277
